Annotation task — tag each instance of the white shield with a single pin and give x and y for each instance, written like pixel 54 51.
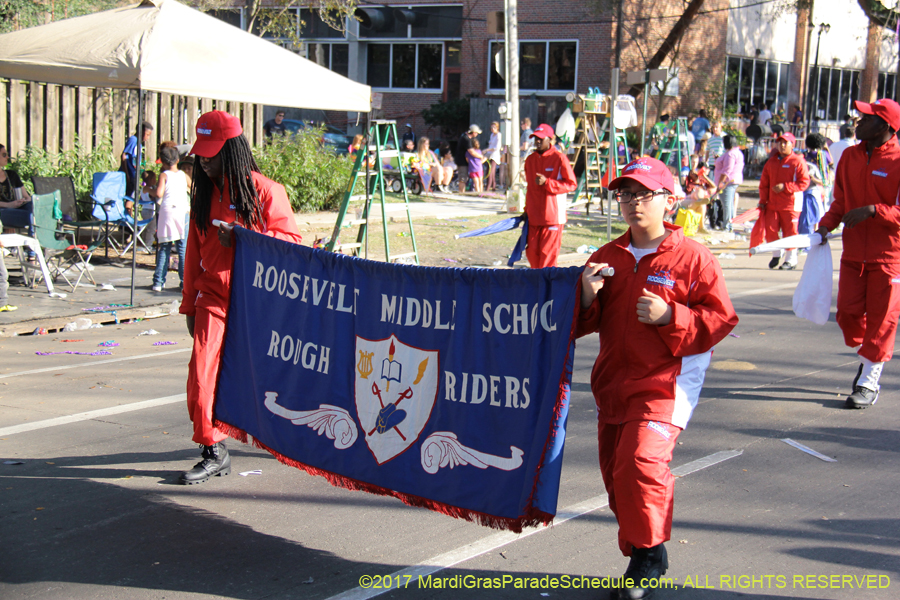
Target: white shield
pixel 396 388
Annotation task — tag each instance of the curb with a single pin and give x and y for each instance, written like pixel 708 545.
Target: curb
pixel 56 324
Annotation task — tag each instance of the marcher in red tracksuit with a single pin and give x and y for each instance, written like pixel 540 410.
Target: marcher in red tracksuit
pixel 867 201
pixel 784 175
pixel 229 188
pixel 659 317
pixel 549 178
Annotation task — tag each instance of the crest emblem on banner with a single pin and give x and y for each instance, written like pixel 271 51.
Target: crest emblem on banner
pixel 396 388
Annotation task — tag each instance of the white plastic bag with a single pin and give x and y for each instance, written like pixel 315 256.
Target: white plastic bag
pixel 812 298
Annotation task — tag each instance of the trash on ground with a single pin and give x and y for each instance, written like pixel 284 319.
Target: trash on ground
pixel 71 340
pixel 13 462
pixel 109 344
pixel 808 450
pixel 163 343
pixel 78 324
pixel 451 260
pixel 58 294
pixel 585 249
pixel 106 287
pixel 727 256
pixel 97 353
pixel 149 332
pixel 39 331
pixel 253 472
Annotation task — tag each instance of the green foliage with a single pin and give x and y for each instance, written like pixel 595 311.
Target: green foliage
pixel 80 164
pixel 20 14
pixel 451 116
pixel 314 177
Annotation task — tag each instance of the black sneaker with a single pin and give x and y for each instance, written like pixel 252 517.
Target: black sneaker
pixel 774 262
pixel 216 461
pixel 646 564
pixel 861 397
pixel 786 266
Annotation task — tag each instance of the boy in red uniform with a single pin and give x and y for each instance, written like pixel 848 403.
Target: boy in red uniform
pixel 659 317
pixel 784 175
pixel 229 188
pixel 867 201
pixel 549 177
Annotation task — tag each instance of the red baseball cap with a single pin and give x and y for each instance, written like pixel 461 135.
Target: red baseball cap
pixel 543 131
pixel 788 137
pixel 647 171
pixel 884 108
pixel 213 129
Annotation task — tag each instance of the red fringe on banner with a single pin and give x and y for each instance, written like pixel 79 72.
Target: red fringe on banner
pixel 532 518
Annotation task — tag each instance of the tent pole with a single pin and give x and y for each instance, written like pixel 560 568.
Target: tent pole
pixel 137 187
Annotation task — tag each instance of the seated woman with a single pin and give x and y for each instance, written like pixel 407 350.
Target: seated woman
pixel 15 201
pixel 700 189
pixel 428 164
pixel 448 166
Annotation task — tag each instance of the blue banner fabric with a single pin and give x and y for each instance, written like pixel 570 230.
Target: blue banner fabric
pixel 446 388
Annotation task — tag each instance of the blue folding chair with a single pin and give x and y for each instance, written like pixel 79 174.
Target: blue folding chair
pixel 109 205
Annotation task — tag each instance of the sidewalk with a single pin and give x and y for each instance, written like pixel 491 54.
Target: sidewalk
pixel 37 309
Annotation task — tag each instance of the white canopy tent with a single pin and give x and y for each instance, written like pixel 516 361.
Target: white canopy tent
pixel 165 46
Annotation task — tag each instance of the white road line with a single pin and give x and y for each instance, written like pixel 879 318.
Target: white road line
pixel 766 290
pixel 93 363
pixel 498 540
pixel 93 414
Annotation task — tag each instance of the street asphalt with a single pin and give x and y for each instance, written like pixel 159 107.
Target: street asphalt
pixel 91 447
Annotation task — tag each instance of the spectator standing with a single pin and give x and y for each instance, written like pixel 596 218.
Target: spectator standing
pixel 699 127
pixel 865 201
pixel 765 115
pixel 729 174
pixel 128 164
pixel 848 139
pixel 462 153
pixel 227 187
pixel 475 161
pixel 174 206
pixel 549 178
pixel 525 139
pixel 492 154
pixel 714 144
pixel 658 318
pixel 275 126
pixel 16 207
pixel 408 135
pixel 783 176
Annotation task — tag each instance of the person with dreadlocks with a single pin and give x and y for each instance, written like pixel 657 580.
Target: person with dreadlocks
pixel 227 187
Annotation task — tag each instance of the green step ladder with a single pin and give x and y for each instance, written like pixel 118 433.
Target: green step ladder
pixel 381 134
pixel 596 159
pixel 675 146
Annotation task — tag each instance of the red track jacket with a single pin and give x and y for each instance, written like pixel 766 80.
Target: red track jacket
pixel 546 204
pixel 790 171
pixel 861 181
pixel 207 263
pixel 651 372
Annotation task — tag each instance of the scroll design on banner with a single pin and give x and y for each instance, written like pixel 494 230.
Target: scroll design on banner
pixel 443 449
pixel 335 422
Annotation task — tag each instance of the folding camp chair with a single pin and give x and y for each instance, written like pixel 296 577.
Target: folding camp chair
pixel 109 206
pixel 136 229
pixel 69 204
pixel 63 256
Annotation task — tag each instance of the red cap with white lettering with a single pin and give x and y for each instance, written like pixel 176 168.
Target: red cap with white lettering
pixel 213 129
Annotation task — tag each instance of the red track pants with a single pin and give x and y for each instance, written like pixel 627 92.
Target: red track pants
pixel 868 305
pixel 785 220
pixel 634 462
pixel 203 373
pixel 542 248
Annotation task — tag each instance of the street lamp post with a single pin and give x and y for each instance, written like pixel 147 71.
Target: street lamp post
pixel 823 28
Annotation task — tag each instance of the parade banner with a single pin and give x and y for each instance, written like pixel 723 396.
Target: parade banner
pixel 446 388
